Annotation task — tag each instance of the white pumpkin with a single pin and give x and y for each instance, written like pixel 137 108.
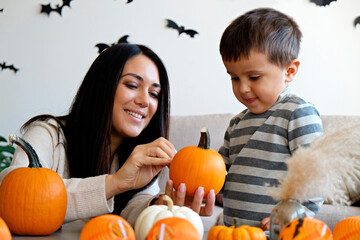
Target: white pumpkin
pixel 150 215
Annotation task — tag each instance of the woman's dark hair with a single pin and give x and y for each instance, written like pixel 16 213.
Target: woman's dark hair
pixel 264 30
pixel 88 125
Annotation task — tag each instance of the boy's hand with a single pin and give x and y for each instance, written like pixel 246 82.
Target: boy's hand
pixel 219 199
pixel 195 203
pixel 265 224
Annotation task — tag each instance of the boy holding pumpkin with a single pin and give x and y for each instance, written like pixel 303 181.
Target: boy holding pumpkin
pixel 259 50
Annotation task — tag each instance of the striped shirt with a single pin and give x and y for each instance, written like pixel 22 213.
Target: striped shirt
pixel 255 149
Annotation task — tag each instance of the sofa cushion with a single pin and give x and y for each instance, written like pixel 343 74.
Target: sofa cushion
pixel 185 130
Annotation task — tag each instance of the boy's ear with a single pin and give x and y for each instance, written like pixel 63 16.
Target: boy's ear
pixel 291 70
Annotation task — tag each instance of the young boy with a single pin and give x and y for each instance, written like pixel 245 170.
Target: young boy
pixel 259 50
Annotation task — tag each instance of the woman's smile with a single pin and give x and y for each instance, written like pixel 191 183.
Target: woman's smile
pixel 137 115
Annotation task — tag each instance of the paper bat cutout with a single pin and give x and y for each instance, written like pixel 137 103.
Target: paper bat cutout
pixel 102 46
pixel 2 10
pixel 181 29
pixel 10 67
pixel 357 21
pixel 48 9
pixel 129 1
pixel 322 2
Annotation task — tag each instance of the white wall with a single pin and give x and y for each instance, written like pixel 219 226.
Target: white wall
pixel 53 53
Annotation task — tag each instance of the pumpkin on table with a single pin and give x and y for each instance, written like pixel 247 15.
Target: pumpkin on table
pixel 347 229
pixel 306 229
pixel 198 166
pixel 4 231
pixel 173 228
pixel 33 199
pixel 107 227
pixel 236 232
pixel 150 215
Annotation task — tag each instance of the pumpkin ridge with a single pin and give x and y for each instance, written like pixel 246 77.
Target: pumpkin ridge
pixel 352 233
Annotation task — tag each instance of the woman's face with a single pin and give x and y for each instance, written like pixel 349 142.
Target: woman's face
pixel 136 98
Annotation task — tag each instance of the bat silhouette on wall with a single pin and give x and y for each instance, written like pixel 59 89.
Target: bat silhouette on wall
pixel 102 46
pixel 58 8
pixel 356 21
pixel 322 2
pixel 1 10
pixel 129 1
pixel 10 67
pixel 180 29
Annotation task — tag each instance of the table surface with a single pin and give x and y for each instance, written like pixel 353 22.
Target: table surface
pixel 69 231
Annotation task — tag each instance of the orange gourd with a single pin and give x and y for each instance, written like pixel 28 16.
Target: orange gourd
pixel 4 231
pixel 107 227
pixel 198 166
pixel 236 232
pixel 173 228
pixel 347 229
pixel 33 199
pixel 306 229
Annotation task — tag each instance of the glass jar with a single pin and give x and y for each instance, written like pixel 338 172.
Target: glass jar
pixel 282 214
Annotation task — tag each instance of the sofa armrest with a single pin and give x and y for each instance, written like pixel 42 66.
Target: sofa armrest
pixel 332 214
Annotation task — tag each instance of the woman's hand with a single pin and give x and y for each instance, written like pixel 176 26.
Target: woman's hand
pixel 195 203
pixel 143 164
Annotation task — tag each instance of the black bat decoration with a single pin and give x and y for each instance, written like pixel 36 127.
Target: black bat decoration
pixel 129 1
pixel 181 29
pixel 48 9
pixel 322 2
pixel 102 46
pixel 10 67
pixel 2 10
pixel 357 21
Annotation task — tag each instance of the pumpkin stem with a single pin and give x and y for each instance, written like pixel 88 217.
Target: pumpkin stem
pixel 204 141
pixel 28 149
pixel 236 222
pixel 169 201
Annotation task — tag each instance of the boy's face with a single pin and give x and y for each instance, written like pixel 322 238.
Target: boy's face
pixel 256 82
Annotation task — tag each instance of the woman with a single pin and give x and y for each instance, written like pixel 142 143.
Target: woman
pixel 111 146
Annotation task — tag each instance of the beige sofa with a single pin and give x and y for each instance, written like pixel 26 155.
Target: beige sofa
pixel 185 130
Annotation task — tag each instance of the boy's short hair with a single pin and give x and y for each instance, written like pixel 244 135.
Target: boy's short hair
pixel 265 30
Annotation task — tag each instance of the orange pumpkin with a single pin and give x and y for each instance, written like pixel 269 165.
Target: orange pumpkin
pixel 236 232
pixel 33 199
pixel 173 228
pixel 347 229
pixel 4 231
pixel 107 227
pixel 306 229
pixel 198 166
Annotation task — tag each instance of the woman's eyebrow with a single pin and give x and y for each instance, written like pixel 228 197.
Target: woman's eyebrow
pixel 139 78
pixel 134 75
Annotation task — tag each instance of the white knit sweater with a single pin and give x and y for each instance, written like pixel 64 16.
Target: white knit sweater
pixel 86 196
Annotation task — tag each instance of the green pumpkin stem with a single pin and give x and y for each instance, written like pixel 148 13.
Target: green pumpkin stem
pixel 169 201
pixel 204 141
pixel 28 149
pixel 236 222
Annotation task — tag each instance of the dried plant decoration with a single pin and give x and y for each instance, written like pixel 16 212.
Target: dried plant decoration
pixel 328 168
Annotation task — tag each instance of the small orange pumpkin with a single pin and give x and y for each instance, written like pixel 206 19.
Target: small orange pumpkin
pixel 33 199
pixel 198 166
pixel 306 229
pixel 236 232
pixel 107 227
pixel 4 231
pixel 173 228
pixel 347 229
